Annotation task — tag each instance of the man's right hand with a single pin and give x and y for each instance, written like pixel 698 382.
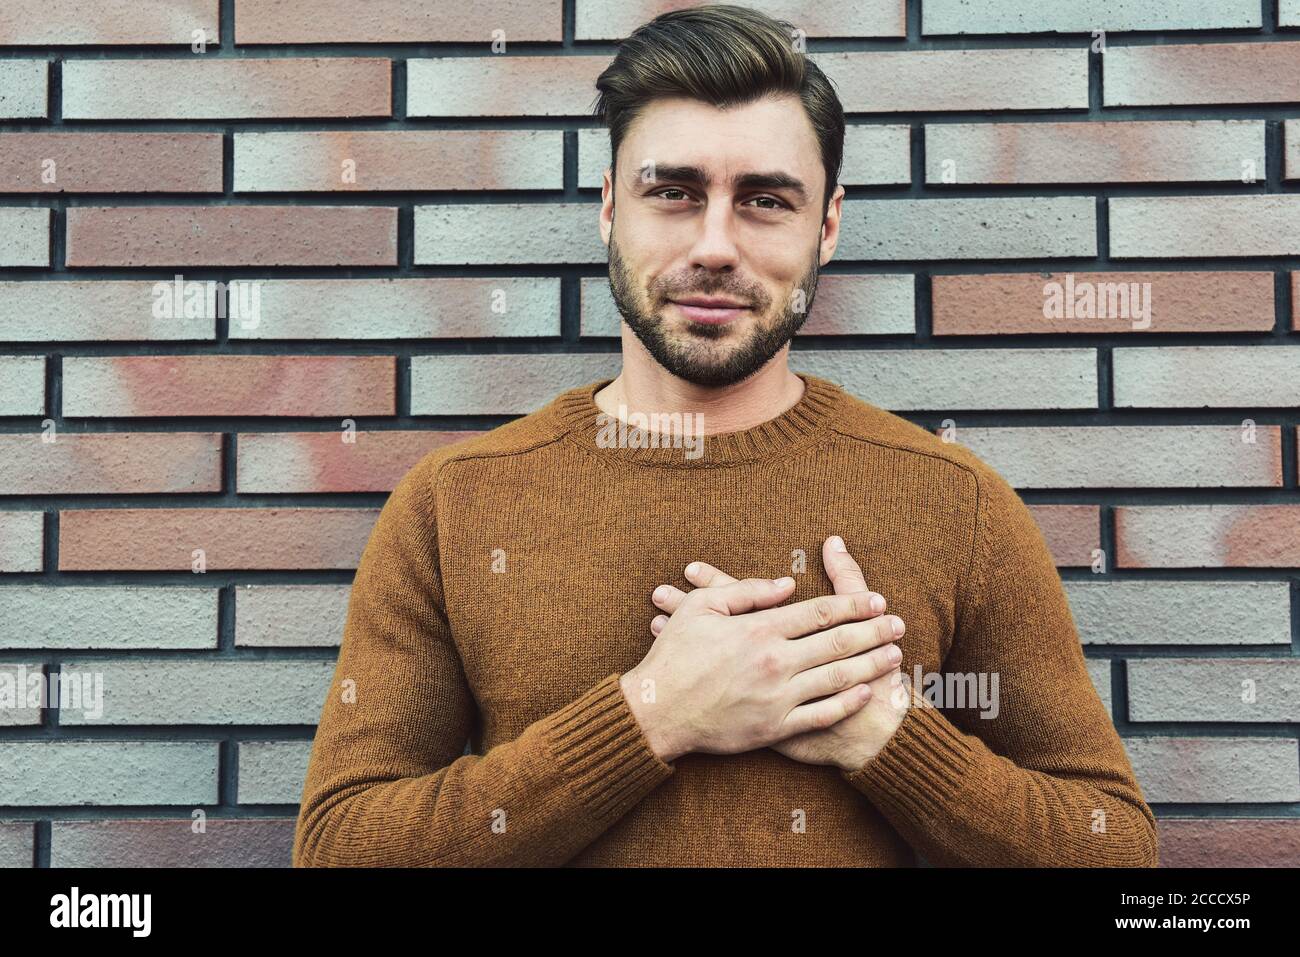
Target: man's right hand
pixel 732 672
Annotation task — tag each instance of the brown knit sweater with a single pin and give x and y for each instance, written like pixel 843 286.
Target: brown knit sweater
pixel 506 587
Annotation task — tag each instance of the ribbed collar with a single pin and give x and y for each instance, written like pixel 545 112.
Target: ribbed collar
pixel 576 414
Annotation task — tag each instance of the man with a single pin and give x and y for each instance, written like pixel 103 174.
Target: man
pixel 508 593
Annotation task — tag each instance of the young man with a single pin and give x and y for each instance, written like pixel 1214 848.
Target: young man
pixel 509 592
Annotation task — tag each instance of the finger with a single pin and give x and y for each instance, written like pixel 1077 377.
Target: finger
pixel 844 571
pixel 845 673
pixel 703 575
pixel 812 614
pixel 745 596
pixel 668 597
pixel 845 640
pixel 817 715
pixel 657 624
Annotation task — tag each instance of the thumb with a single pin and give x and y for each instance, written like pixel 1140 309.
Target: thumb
pixel 844 571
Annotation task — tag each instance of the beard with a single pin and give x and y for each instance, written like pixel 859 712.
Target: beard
pixel 706 354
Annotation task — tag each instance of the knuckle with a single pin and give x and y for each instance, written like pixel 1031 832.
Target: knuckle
pixel 836 678
pixel 769 663
pixel 823 611
pixel 839 641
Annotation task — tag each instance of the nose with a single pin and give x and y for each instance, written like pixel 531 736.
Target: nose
pixel 715 245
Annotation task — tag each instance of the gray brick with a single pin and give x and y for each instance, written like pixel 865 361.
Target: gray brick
pixel 1214 689
pixel 168 691
pixel 1175 770
pixel 283 616
pixel 57 773
pixel 110 618
pixel 1181 612
pixel 272 772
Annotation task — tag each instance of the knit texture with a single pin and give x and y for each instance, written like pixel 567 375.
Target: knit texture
pixel 506 588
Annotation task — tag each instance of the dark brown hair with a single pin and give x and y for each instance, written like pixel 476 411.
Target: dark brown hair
pixel 726 56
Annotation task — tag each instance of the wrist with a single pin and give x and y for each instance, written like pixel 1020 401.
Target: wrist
pixel 656 735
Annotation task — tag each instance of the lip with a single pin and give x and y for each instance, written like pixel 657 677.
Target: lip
pixel 709 310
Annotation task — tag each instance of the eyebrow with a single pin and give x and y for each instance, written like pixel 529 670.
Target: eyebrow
pixel 696 176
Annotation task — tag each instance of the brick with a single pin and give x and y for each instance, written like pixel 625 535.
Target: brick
pixel 22 385
pixel 107 22
pixel 109 463
pixel 21 543
pixel 1186 226
pixel 1201 376
pixel 1229 842
pixel 1180 770
pixel 24 236
pixel 110 162
pixel 1014 303
pixel 165 539
pixel 1196 73
pixel 229 88
pixel 1288 13
pixel 483 86
pixel 1134 456
pixel 1072 532
pixel 17 707
pixel 1295 301
pixel 24 89
pixel 370 461
pixel 1121 151
pixel 395 21
pixel 290 616
pixel 875 155
pixel 509 233
pixel 1208 536
pixel 399 160
pixel 1099 672
pixel 272 772
pixel 172 842
pixel 162 691
pixel 96 311
pixel 232 236
pixel 501 384
pixel 865 305
pixel 1085 16
pixel 108 618
pixel 981 80
pixel 471 308
pixel 599 20
pixel 1119 612
pixel 957 379
pixel 1000 228
pixel 273 385
pixel 1291 140
pixel 60 773
pixel 1218 689
pixel 17 844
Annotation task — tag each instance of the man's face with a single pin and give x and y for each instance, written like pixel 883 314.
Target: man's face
pixel 722 205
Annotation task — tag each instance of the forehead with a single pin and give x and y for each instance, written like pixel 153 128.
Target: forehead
pixel 773 132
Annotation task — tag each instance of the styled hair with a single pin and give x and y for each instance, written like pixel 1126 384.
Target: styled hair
pixel 724 55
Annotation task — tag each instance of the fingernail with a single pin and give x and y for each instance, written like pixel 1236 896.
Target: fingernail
pixel 661 593
pixel 692 568
pixel 894 653
pixel 898 626
pixel 837 544
pixel 877 604
pixel 782 582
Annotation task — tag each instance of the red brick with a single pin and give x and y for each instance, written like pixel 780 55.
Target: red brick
pixel 1071 531
pixel 1229 842
pixel 164 539
pixel 110 162
pixel 396 21
pixel 1013 303
pixel 232 236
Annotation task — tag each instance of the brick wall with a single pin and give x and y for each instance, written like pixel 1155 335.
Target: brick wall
pixel 995 149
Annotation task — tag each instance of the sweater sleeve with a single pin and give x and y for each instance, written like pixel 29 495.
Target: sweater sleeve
pixel 1044 783
pixel 388 782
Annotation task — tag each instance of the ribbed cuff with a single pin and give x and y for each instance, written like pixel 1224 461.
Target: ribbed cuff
pixel 924 767
pixel 600 747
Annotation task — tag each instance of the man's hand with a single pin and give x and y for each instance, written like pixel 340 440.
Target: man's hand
pixel 731 672
pixel 853 741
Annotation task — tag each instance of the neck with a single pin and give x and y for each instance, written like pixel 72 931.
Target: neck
pixel 646 387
